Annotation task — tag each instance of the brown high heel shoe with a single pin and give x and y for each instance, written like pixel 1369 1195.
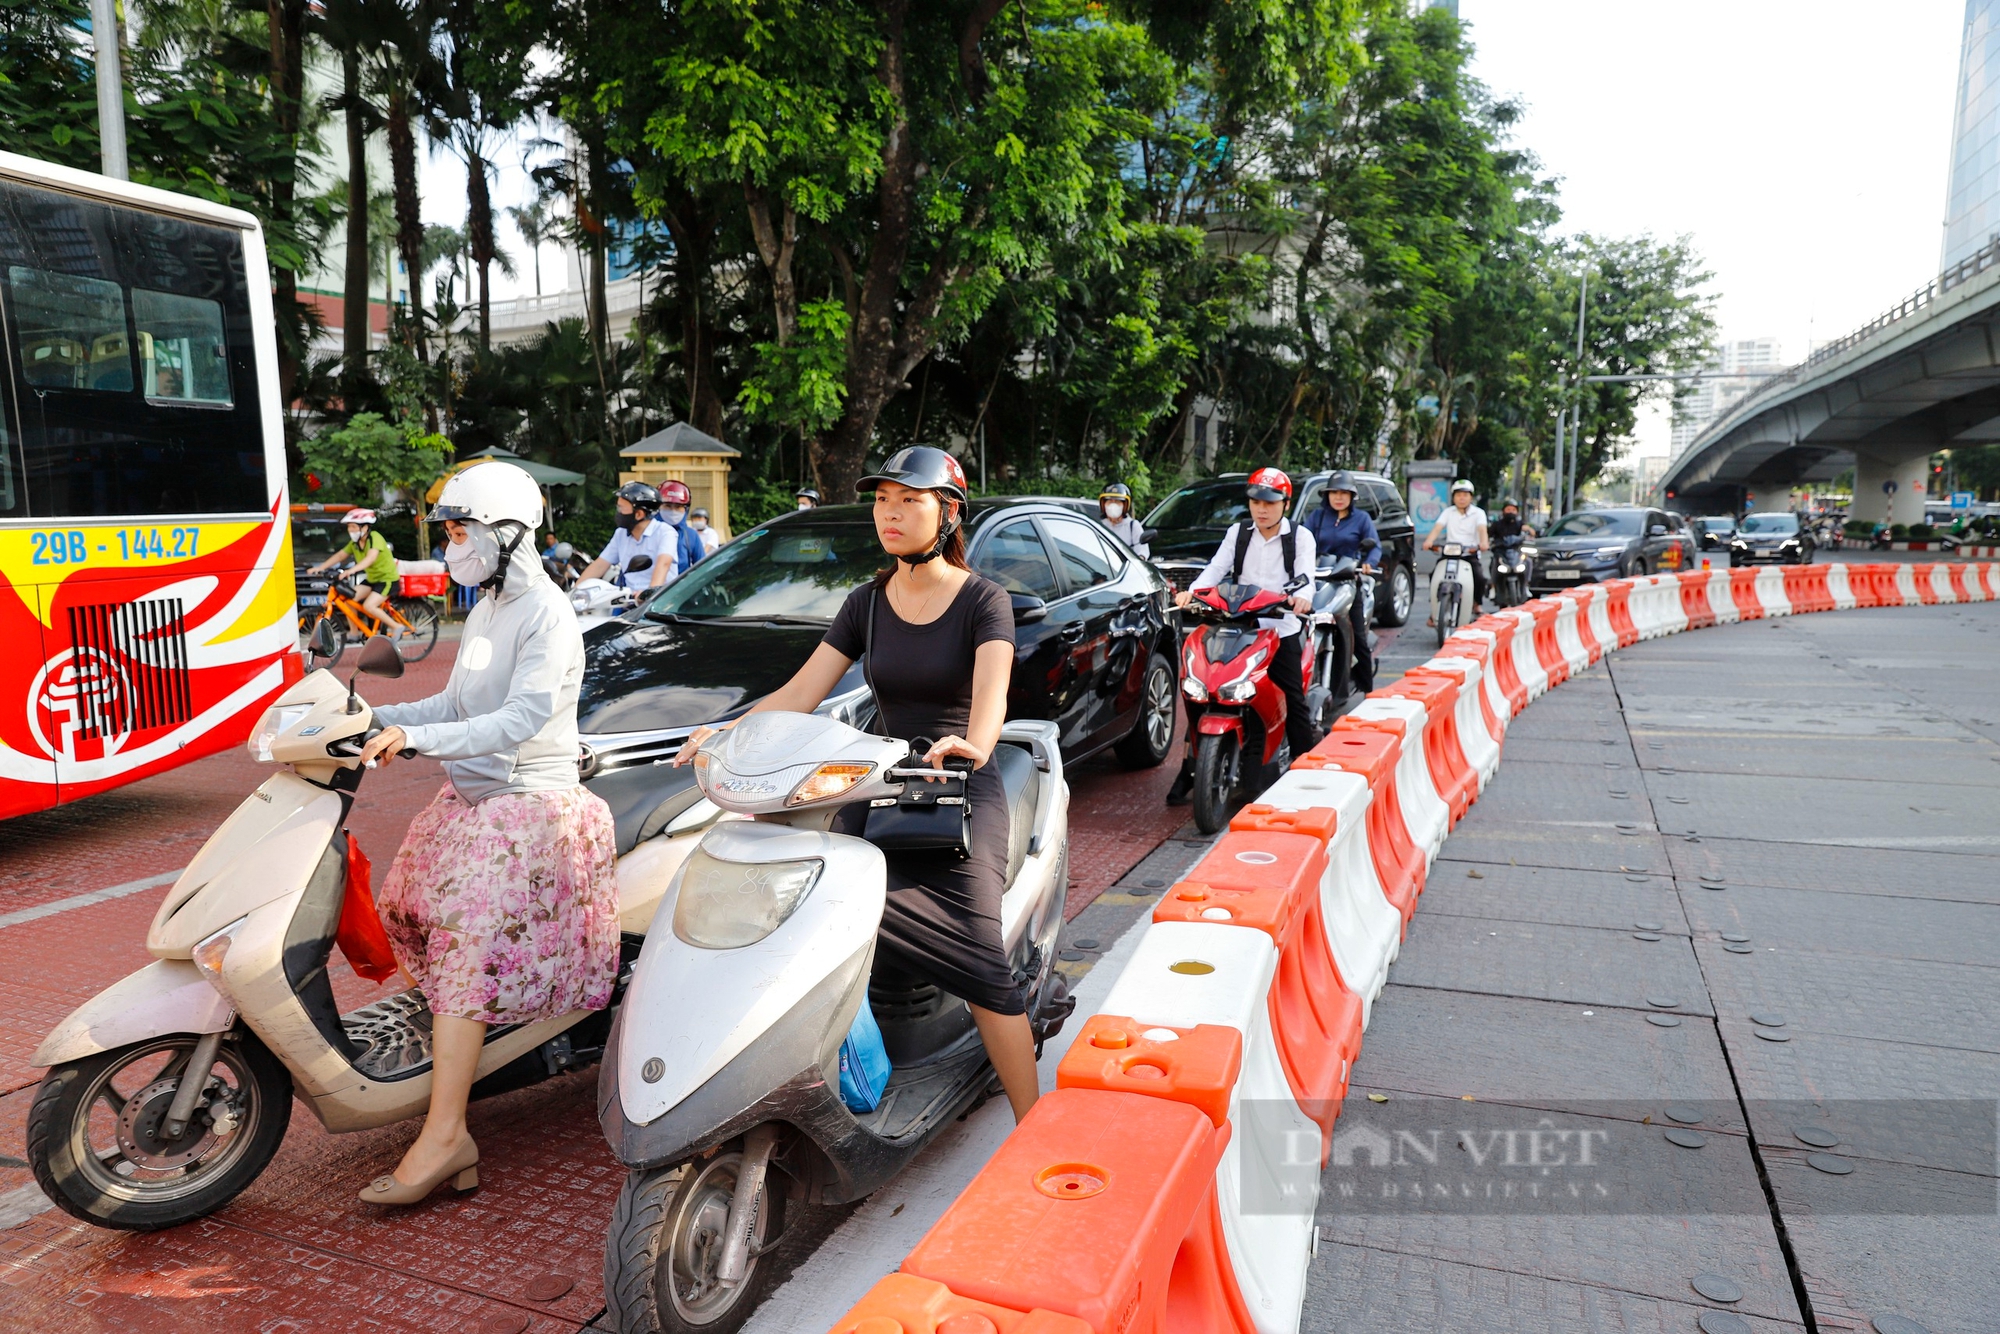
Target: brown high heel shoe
pixel 462 1167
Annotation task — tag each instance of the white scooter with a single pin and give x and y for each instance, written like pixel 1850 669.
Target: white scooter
pixel 125 1133
pixel 721 1084
pixel 598 601
pixel 1452 602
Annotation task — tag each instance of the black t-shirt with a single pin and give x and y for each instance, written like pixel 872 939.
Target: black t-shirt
pixel 923 673
pixel 1504 525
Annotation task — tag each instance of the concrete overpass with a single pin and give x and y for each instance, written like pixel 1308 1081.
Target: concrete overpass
pixel 1922 376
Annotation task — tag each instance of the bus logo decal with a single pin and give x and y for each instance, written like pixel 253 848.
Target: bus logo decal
pixel 80 694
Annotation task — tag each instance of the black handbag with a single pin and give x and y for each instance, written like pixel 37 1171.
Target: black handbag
pixel 931 815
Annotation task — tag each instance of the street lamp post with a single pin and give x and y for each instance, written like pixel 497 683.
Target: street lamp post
pixel 110 90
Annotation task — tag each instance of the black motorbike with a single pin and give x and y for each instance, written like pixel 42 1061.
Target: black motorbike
pixel 1511 569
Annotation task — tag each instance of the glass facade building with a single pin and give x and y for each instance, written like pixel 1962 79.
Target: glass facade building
pixel 1972 201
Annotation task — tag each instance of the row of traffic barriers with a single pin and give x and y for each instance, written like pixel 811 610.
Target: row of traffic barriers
pixel 1169 1182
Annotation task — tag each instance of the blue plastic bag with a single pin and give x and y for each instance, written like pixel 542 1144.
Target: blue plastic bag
pixel 864 1063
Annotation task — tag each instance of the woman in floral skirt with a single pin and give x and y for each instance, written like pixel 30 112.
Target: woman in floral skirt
pixel 502 903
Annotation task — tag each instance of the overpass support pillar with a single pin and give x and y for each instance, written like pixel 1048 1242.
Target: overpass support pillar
pixel 1876 501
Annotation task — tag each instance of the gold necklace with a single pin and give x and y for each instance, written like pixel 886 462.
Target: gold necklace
pixel 928 599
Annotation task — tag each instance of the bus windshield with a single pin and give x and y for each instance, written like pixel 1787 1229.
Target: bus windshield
pixel 131 367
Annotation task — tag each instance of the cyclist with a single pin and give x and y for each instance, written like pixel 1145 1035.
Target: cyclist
pixel 639 534
pixel 1342 528
pixel 686 542
pixel 1268 552
pixel 368 551
pixel 1114 506
pixel 1465 525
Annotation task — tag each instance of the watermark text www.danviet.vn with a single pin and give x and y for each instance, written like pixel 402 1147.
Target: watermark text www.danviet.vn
pixel 1435 1156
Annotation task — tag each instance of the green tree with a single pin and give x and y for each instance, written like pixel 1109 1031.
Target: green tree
pixel 369 458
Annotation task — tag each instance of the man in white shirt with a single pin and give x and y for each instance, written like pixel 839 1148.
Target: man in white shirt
pixel 1463 524
pixel 710 539
pixel 1271 554
pixel 639 534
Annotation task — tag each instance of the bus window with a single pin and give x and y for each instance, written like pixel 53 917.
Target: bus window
pixel 182 356
pixel 72 331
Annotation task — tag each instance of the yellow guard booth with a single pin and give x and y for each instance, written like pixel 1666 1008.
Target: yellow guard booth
pixel 682 454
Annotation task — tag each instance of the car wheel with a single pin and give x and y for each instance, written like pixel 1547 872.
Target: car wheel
pixel 1151 739
pixel 1394 610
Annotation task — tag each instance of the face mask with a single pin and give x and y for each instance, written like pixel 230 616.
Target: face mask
pixel 473 561
pixel 674 517
pixel 700 525
pixel 805 504
pixel 356 534
pixel 1114 511
pixel 625 521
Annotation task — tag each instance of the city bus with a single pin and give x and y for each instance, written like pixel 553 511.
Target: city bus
pixel 146 596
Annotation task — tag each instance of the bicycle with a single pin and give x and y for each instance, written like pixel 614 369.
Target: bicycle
pixel 345 617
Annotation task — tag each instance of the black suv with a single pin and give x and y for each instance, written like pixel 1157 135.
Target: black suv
pixel 1192 521
pixel 1095 632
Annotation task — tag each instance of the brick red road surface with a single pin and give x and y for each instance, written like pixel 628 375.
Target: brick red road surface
pixel 296 1252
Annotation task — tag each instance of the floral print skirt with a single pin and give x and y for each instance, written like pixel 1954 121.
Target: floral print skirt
pixel 507 911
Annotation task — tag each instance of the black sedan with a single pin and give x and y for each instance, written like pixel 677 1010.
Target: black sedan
pixel 1590 546
pixel 1094 625
pixel 1190 524
pixel 1778 538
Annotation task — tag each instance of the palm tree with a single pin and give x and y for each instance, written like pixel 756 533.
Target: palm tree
pixel 537 226
pixel 446 245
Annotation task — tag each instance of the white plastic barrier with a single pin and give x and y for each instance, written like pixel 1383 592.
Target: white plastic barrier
pixel 1268 1251
pixel 1424 812
pixel 1975 584
pixel 1568 640
pixel 1601 628
pixel 1527 663
pixel 1496 698
pixel 1941 583
pixel 1482 752
pixel 1770 588
pixel 1721 600
pixel 1837 586
pixel 1363 929
pixel 1906 586
pixel 1648 610
pixel 1673 611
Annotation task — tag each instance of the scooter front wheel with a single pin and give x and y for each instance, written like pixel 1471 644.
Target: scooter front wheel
pixel 98 1144
pixel 664 1248
pixel 1215 762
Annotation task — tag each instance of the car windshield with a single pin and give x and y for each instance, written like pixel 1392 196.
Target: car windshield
pixel 1211 505
pixel 1721 521
pixel 787 570
pixel 1769 523
pixel 1598 523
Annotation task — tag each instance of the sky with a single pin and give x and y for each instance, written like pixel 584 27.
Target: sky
pixel 1803 146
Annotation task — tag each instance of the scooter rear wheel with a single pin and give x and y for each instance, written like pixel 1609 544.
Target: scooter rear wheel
pixel 665 1242
pixel 1215 762
pixel 99 1149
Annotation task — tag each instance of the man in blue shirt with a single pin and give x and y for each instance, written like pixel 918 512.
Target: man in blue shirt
pixel 1342 528
pixel 639 533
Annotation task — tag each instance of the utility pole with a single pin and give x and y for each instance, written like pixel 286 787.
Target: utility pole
pixel 110 90
pixel 1576 431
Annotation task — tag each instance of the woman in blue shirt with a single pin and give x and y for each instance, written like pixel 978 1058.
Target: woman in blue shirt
pixel 1342 528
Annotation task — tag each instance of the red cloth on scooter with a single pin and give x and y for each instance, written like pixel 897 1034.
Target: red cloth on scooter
pixel 942 918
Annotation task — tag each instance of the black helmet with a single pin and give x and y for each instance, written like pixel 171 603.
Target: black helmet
pixel 1341 481
pixel 806 493
pixel 1116 491
pixel 640 495
pixel 924 467
pixel 1510 501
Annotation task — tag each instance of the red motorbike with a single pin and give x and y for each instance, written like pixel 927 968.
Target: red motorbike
pixel 1234 707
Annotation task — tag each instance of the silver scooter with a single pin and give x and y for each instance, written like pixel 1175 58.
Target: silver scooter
pixel 720 1088
pixel 1333 639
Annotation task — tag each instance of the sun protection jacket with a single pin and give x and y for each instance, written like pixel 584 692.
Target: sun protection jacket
pixel 506 721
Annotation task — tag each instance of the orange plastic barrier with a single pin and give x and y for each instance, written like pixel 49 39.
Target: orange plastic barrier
pixel 1451 773
pixel 1867 583
pixel 1956 573
pixel 1554 661
pixel 1270 882
pixel 1620 592
pixel 1356 746
pixel 1480 651
pixel 906 1304
pixel 1502 662
pixel 1694 600
pixel 1926 590
pixel 1805 588
pixel 1101 1207
pixel 1743 592
pixel 1198 1066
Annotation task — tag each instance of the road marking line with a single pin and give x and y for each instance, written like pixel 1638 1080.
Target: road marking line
pixel 50 909
pixel 17 1206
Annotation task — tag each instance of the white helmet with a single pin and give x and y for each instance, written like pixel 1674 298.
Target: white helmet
pixel 359 516
pixel 490 492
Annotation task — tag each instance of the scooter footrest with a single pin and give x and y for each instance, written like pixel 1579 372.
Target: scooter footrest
pixel 394 1034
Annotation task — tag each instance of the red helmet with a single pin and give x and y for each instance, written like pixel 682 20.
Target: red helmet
pixel 674 493
pixel 1270 484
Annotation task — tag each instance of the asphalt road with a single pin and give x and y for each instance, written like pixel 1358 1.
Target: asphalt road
pixel 1792 820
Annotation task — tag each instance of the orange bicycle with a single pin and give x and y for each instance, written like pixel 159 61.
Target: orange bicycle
pixel 416 617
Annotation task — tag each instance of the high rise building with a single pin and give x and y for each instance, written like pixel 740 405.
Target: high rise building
pixel 1709 399
pixel 1972 199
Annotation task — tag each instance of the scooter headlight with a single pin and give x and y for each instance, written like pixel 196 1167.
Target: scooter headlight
pixel 1194 690
pixel 828 781
pixel 210 953
pixel 1238 691
pixel 727 905
pixel 275 723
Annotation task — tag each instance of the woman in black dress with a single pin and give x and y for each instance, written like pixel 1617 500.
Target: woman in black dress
pixel 944 650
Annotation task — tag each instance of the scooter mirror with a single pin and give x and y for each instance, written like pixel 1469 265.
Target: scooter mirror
pixel 1146 535
pixel 322 641
pixel 638 563
pixel 379 658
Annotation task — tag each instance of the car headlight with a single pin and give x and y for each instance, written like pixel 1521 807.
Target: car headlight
pixel 1194 690
pixel 1610 551
pixel 727 905
pixel 1532 553
pixel 210 953
pixel 1789 542
pixel 275 722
